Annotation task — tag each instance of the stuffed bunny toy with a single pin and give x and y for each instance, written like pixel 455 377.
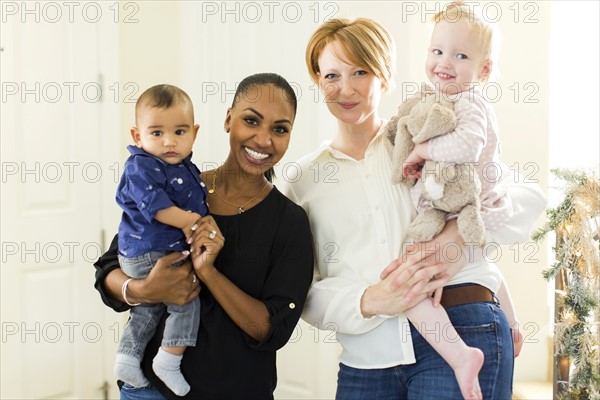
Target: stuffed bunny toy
pixel 447 187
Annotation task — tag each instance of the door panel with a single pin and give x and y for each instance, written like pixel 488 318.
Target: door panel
pixel 52 319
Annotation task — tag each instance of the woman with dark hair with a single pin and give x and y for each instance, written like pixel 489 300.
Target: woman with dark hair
pixel 251 259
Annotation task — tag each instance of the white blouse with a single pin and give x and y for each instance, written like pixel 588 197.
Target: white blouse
pixel 358 220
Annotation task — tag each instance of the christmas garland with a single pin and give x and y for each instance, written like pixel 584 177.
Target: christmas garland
pixel 577 331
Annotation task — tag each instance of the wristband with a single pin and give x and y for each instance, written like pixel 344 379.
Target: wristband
pixel 124 293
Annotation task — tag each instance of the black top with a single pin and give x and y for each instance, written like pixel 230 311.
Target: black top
pixel 268 254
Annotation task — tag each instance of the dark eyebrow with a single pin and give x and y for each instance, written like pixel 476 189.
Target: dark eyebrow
pixel 279 121
pixel 255 112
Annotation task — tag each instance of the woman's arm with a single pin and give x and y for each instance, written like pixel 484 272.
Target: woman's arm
pixel 163 284
pixel 250 314
pixel 528 202
pixel 270 319
pixel 405 285
pixel 352 306
pixel 359 308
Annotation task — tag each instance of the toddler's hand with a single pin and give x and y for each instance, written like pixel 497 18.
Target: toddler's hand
pixel 437 295
pixel 413 165
pixel 187 230
pixel 517 338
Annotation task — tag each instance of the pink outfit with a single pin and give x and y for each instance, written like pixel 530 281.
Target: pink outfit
pixel 475 140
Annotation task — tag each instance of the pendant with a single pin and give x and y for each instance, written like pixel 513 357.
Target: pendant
pixel 241 210
pixel 211 191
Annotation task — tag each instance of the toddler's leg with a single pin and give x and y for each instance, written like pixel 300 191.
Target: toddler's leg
pixel 435 326
pixel 166 366
pixel 181 331
pixel 128 369
pixel 141 325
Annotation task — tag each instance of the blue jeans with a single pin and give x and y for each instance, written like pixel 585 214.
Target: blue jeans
pixel 481 325
pixel 181 326
pixel 129 392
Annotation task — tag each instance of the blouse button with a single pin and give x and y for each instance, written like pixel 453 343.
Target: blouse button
pixel 179 180
pixel 292 306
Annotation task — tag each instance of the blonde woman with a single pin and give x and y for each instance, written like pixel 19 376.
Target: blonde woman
pixel 364 291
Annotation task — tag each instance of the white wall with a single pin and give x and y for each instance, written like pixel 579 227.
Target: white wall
pixel 574 66
pixel 207 47
pixel 149 54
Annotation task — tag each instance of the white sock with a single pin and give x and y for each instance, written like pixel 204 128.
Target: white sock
pixel 166 367
pixel 128 369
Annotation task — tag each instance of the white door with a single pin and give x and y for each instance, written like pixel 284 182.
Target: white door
pixel 53 325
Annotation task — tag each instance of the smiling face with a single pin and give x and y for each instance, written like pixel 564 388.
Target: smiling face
pixel 259 126
pixel 166 133
pixel 455 61
pixel 352 92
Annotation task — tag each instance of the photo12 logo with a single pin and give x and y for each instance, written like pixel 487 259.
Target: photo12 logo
pixel 53 12
pixel 50 252
pixel 58 331
pixel 267 11
pixel 490 11
pixel 69 92
pixel 59 171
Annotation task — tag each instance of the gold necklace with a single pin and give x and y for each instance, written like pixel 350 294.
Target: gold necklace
pixel 241 208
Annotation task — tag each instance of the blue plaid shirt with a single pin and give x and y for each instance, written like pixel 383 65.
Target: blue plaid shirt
pixel 148 185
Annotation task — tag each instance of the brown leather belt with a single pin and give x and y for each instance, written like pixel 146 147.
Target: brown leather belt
pixel 455 296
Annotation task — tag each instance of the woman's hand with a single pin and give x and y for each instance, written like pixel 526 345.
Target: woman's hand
pixel 423 268
pixel 447 247
pixel 165 283
pixel 205 244
pixel 404 283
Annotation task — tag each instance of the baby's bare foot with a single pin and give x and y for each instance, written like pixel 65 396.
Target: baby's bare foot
pixel 467 373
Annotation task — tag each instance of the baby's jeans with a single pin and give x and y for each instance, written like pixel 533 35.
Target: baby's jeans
pixel 181 326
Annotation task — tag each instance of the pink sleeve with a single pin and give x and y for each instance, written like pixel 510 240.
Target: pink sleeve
pixel 496 212
pixel 466 142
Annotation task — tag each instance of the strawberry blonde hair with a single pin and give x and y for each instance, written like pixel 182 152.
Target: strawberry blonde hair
pixel 364 43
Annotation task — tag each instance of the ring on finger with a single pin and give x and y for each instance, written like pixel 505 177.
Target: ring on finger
pixel 212 234
pixel 194 279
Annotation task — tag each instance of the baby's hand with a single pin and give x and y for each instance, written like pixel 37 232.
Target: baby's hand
pixel 517 338
pixel 192 220
pixel 415 160
pixel 437 295
pixel 413 165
